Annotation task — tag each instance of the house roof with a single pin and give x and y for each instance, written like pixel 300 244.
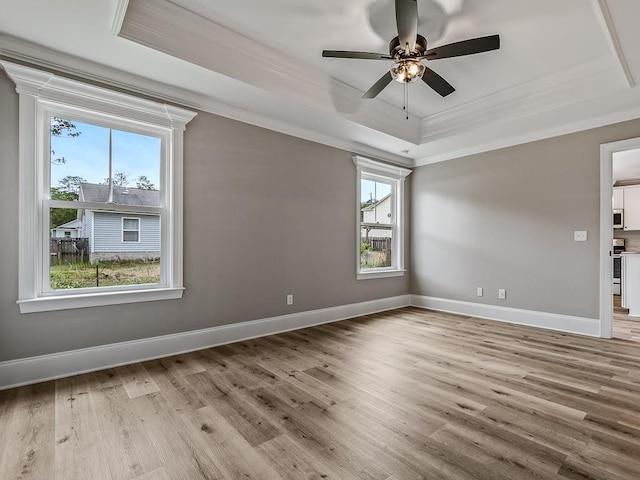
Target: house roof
pixel 92 192
pixel 72 224
pixel 374 205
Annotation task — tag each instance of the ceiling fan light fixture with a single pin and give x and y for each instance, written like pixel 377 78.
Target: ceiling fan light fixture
pixel 407 71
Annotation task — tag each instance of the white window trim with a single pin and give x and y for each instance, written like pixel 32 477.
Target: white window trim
pixel 367 168
pixel 38 89
pixel 129 230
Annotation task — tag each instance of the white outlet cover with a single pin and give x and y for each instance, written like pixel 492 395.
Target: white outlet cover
pixel 580 236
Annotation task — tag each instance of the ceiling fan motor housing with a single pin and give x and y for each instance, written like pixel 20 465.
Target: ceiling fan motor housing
pixel 397 51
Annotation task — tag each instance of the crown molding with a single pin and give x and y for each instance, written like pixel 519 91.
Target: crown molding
pixel 587 123
pixel 30 54
pixel 603 14
pixel 118 18
pixel 176 31
pixel 559 89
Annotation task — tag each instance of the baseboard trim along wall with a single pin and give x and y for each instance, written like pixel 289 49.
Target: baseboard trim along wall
pixel 550 321
pixel 15 373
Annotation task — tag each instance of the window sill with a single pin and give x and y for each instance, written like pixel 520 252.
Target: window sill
pixel 66 302
pixel 379 274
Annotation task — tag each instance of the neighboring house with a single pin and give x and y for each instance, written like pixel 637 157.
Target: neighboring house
pixel 377 213
pixel 72 229
pixel 115 236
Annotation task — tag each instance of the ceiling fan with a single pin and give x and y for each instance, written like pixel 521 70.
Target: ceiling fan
pixel 409 48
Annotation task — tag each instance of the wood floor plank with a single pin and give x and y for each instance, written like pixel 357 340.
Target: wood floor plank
pixel 27 433
pixel 78 446
pixel 400 395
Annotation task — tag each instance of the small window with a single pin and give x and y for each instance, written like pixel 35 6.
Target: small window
pixel 380 206
pixel 130 229
pixel 67 234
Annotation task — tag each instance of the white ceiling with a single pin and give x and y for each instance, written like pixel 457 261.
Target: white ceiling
pixel 563 66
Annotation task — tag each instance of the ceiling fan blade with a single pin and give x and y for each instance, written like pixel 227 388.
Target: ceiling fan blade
pixel 435 81
pixel 407 22
pixel 360 55
pixel 465 47
pixel 378 86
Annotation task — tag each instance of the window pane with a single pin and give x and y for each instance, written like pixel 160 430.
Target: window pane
pixel 376 228
pixel 80 155
pixel 95 255
pixel 130 223
pixel 129 236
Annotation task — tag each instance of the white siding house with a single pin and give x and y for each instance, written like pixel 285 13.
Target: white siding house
pixel 115 236
pixel 377 213
pixel 72 229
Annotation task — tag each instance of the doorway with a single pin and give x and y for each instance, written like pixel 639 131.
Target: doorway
pixel 608 154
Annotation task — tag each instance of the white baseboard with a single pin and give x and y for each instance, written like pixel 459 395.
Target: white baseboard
pixel 26 371
pixel 551 321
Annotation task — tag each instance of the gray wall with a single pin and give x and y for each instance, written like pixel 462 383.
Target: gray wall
pixel 505 219
pixel 265 215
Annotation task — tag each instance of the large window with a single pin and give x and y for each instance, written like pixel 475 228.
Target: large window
pixel 380 198
pixel 109 165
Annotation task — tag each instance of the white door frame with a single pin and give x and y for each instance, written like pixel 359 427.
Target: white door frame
pixel 606 230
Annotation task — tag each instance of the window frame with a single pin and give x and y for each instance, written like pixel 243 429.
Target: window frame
pixel 138 230
pixel 367 169
pixel 42 94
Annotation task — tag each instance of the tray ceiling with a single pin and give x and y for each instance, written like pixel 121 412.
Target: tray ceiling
pixel 562 66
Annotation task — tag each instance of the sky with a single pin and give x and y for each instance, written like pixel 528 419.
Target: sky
pixel 376 190
pixel 87 155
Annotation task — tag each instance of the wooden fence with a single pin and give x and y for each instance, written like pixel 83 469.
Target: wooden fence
pixel 69 250
pixel 378 244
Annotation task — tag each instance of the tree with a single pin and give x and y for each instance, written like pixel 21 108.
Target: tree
pixel 61 127
pixel 144 183
pixel 70 183
pixel 120 179
pixel 59 216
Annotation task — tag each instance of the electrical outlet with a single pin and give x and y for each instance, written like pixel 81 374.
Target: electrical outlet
pixel 289 299
pixel 580 236
pixel 479 291
pixel 502 294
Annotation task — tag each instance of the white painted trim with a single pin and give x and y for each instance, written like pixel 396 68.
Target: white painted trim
pixel 118 17
pixel 366 275
pixel 551 321
pixel 26 371
pixel 631 113
pixel 84 300
pixel 606 229
pixel 603 14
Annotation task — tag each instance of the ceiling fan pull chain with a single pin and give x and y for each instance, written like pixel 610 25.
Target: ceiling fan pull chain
pixel 406 99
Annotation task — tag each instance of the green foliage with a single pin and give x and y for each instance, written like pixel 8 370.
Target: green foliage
pixel 61 127
pixel 363 247
pixel 60 216
pixel 71 184
pixel 83 275
pixel 144 183
pixel 120 179
pixel 371 201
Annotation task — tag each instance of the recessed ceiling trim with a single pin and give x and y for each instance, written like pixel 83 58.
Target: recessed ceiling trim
pixel 631 113
pixel 118 18
pixel 603 14
pixel 561 88
pixel 171 29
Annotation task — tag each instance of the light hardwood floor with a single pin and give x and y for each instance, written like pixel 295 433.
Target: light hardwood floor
pixel 408 394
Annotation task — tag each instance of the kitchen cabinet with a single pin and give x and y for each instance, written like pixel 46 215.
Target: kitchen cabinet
pixel 618 198
pixel 631 199
pixel 631 283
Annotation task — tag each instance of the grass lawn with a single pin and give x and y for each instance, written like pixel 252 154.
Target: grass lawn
pixel 83 275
